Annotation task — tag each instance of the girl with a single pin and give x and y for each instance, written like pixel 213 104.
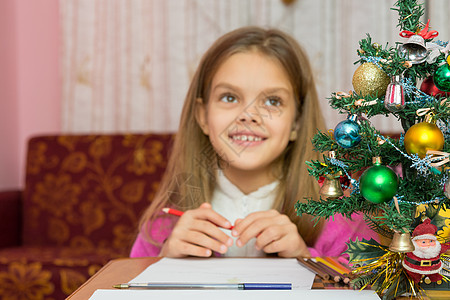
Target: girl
pixel 239 158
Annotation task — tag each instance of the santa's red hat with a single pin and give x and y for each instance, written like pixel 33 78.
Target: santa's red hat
pixel 426 230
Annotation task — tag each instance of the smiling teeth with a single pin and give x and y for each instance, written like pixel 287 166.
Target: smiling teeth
pixel 244 138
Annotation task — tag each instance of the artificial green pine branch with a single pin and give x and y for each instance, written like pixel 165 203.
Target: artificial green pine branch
pixel 409 12
pixel 329 207
pixel 375 226
pixel 321 168
pixel 393 219
pixel 418 188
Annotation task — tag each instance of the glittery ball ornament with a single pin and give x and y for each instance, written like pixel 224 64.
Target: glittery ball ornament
pixel 422 137
pixel 441 77
pixel 378 183
pixel 429 88
pixel 347 132
pixel 368 79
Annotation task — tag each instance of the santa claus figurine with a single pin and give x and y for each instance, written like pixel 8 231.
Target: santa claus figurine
pixel 425 260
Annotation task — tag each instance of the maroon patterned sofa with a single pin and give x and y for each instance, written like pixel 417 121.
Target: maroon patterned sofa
pixel 80 208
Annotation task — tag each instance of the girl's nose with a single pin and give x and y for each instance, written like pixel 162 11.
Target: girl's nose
pixel 251 114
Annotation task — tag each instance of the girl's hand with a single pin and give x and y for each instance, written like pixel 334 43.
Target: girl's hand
pixel 197 233
pixel 274 233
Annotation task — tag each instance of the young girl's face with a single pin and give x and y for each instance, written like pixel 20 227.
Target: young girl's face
pixel 250 112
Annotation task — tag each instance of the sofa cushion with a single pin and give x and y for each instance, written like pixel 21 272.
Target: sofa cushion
pixel 38 272
pixel 89 191
pixel 11 218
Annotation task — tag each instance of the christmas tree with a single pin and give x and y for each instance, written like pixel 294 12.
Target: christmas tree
pixel 410 81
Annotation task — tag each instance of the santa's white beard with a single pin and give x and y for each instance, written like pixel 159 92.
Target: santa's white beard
pixel 429 252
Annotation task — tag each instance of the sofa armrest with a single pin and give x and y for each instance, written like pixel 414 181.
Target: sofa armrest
pixel 10 218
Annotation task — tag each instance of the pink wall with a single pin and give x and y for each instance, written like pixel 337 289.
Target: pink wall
pixel 29 80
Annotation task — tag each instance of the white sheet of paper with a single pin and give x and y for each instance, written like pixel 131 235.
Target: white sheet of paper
pixel 228 270
pixel 235 295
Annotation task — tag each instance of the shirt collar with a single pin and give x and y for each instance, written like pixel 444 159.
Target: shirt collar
pixel 233 192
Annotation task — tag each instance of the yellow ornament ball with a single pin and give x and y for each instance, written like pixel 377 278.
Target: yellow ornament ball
pixel 422 137
pixel 368 79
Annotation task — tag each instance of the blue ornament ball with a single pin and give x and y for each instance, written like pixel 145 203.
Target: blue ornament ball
pixel 347 133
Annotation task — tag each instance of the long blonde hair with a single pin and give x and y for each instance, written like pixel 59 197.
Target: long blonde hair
pixel 190 179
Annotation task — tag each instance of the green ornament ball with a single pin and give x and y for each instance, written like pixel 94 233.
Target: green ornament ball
pixel 378 184
pixel 441 78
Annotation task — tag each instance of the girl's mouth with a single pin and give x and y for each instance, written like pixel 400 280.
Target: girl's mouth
pixel 246 139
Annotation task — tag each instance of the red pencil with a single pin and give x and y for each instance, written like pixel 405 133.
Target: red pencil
pixel 172 211
pixel 175 212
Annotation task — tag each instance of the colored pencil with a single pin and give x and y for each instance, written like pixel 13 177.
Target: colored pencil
pixel 338 265
pixel 343 261
pixel 333 274
pixel 325 262
pixel 314 269
pixel 175 212
pixel 172 211
pixel 346 275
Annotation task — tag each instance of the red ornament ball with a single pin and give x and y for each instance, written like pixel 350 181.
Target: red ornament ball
pixel 429 88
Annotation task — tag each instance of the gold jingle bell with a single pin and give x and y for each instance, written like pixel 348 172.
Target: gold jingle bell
pixel 331 188
pixel 401 242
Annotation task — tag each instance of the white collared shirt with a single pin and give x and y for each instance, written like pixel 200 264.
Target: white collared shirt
pixel 233 204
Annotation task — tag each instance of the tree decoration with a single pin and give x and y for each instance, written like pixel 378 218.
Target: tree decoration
pixel 378 183
pixel 391 204
pixel 429 88
pixel 347 132
pixel 331 187
pixel 394 100
pixel 425 260
pixel 401 242
pixel 422 137
pixel 414 49
pixel 369 79
pixel 441 76
pixel 343 180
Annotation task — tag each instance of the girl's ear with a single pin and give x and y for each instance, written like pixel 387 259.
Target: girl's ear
pixel 293 135
pixel 200 115
pixel 294 130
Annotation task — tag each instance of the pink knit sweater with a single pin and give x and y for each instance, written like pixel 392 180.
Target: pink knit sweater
pixel 330 243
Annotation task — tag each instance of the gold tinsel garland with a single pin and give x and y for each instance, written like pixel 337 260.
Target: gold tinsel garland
pixel 385 274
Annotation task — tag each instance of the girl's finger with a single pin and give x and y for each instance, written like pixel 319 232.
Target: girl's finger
pixel 253 230
pixel 206 212
pixel 269 236
pixel 212 231
pixel 250 219
pixel 188 249
pixel 204 241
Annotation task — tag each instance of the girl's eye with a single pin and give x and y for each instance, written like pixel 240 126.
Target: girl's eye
pixel 274 101
pixel 228 99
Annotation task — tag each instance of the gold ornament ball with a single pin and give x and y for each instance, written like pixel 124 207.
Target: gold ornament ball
pixel 422 137
pixel 370 80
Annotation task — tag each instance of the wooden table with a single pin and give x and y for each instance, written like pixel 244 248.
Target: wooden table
pixel 114 272
pixel 124 269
